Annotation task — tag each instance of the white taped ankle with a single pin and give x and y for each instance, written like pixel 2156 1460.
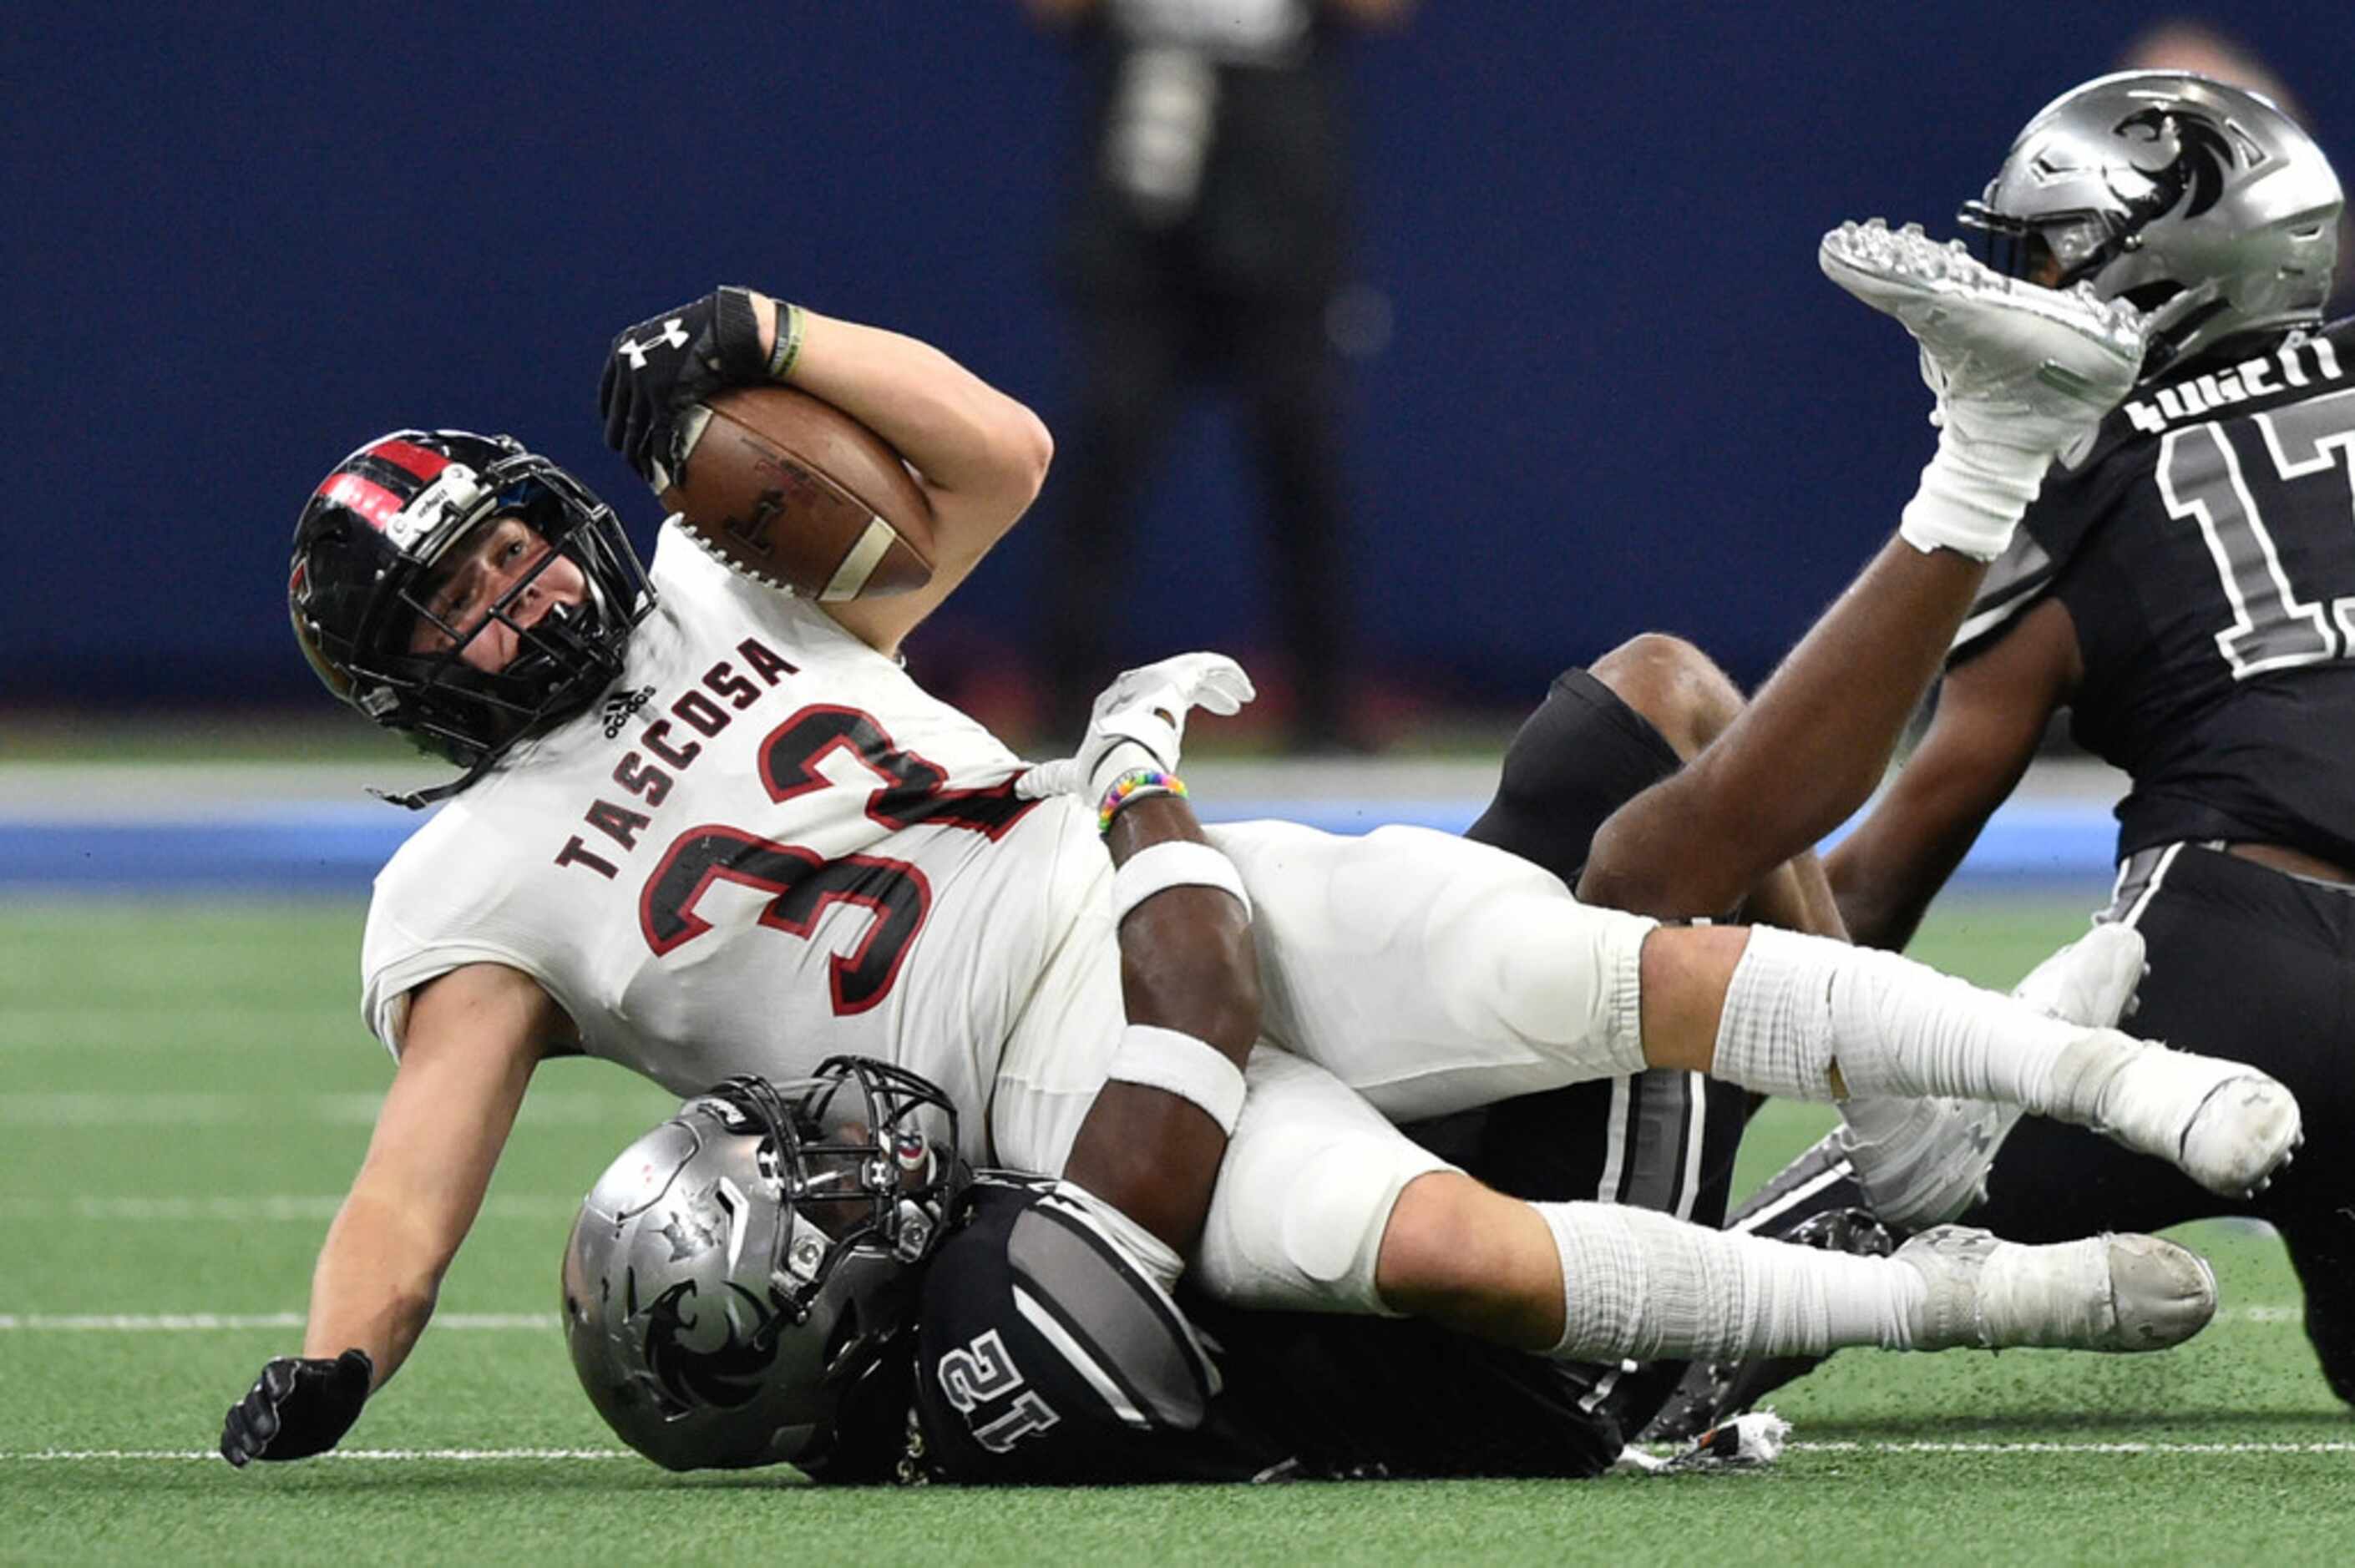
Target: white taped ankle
pixel 1640 1286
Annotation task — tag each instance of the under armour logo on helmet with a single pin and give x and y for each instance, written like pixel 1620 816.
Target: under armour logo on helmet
pixel 674 333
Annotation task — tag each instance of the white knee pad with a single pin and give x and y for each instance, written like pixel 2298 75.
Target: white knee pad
pixel 1303 1197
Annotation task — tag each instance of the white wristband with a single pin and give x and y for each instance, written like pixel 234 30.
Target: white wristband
pixel 1174 862
pixel 1180 1064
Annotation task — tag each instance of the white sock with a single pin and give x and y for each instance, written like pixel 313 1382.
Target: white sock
pixel 1800 1007
pixel 1639 1286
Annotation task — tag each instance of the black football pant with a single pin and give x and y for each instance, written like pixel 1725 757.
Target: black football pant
pixel 2248 963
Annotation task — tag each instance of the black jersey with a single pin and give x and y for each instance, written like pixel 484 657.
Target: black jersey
pixel 2205 545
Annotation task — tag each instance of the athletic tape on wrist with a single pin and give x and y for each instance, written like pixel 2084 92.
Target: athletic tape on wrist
pixel 789 341
pixel 1971 497
pixel 1176 863
pixel 1178 1064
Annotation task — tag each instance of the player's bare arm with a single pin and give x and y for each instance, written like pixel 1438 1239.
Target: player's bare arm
pixel 1810 750
pixel 1992 712
pixel 1186 965
pixel 1804 754
pixel 1152 1142
pixel 980 455
pixel 474 1037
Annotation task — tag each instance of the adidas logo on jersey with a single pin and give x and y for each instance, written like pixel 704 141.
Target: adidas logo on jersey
pixel 2293 366
pixel 619 709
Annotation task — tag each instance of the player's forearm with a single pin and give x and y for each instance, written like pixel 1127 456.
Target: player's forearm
pixel 1886 873
pixel 962 434
pixel 375 1285
pixel 1802 758
pixel 1187 964
pixel 1187 961
pixel 1796 896
pixel 1882 913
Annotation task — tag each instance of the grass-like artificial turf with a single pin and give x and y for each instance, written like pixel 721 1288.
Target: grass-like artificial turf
pixel 186 1088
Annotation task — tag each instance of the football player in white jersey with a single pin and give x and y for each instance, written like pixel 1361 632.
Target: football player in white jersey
pixel 704 830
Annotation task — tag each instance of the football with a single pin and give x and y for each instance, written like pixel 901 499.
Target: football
pixel 793 492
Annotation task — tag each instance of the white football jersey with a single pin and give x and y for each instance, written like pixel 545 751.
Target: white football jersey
pixel 765 847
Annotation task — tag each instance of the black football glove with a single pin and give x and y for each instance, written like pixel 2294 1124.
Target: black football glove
pixel 662 364
pixel 298 1406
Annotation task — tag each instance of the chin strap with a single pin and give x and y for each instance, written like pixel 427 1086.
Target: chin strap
pixel 418 800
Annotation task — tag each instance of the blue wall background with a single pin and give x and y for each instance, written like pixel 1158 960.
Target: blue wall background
pixel 241 240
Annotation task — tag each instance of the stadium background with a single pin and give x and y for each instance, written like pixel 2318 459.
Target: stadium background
pixel 1613 395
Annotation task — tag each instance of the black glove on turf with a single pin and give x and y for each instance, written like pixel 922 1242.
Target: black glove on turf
pixel 664 364
pixel 298 1407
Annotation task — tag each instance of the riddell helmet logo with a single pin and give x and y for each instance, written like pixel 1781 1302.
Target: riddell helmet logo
pixel 618 709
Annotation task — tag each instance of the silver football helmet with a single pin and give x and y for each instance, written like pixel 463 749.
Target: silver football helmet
pixel 2201 202
pixel 746 1265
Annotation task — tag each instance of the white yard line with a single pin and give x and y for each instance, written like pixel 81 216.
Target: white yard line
pixel 88 1455
pixel 208 1322
pixel 365 1456
pixel 260 1209
pixel 195 1109
pixel 1837 1447
pixel 202 1322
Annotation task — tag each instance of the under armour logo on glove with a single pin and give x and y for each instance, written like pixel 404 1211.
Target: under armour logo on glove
pixel 670 361
pixel 674 333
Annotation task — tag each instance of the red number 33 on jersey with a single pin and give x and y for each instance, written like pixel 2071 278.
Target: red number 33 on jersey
pixel 908 791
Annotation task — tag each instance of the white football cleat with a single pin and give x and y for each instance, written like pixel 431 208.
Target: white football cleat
pixel 2090 981
pixel 2226 1125
pixel 2105 1293
pixel 2013 365
pixel 1924 1163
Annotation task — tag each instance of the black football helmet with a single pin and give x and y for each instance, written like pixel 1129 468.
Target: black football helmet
pixel 366 551
pixel 739 1280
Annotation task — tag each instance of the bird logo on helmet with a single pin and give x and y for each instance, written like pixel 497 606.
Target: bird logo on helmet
pixel 739 1270
pixel 2201 202
pixel 366 547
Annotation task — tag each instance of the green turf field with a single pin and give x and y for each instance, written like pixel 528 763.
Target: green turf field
pixel 186 1087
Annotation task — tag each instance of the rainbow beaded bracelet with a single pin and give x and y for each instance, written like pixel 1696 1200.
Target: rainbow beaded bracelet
pixel 1135 785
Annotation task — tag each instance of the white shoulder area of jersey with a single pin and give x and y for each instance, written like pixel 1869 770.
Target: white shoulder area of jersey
pixel 445 899
pixel 689 584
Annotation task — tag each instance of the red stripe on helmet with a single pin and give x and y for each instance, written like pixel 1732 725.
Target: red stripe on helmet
pixel 365 496
pixel 422 462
